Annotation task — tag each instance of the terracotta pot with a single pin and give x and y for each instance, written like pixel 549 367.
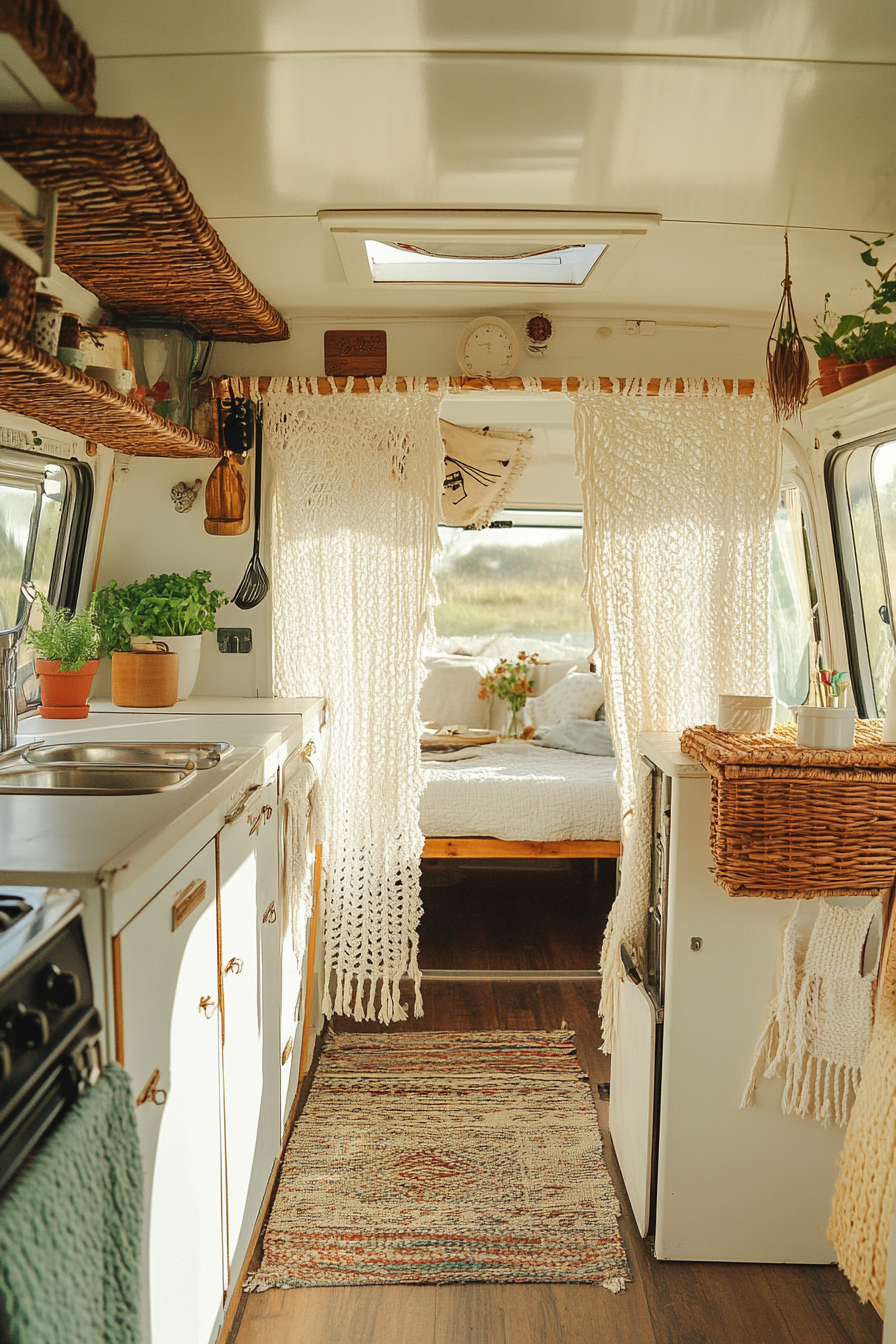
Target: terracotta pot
pixel 828 383
pixel 878 365
pixel 851 373
pixel 828 364
pixel 64 694
pixel 144 680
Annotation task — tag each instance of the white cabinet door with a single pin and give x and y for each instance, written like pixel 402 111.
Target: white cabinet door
pixel 248 859
pixel 167 1037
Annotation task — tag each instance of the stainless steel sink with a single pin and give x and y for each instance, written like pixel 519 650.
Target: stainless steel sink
pixel 95 779
pixel 202 755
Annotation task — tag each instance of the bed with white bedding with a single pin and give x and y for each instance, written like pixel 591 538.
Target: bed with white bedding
pixel 519 792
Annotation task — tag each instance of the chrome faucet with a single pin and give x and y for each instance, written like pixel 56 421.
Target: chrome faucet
pixel 10 643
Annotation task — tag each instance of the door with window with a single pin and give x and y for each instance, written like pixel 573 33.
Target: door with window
pixel 862 491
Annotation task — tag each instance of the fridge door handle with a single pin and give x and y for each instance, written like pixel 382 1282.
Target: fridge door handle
pixel 629 966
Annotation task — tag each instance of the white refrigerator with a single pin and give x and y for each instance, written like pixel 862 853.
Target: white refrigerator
pixel 711 1181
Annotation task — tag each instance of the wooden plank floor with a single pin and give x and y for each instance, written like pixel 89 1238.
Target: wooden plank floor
pixel 668 1303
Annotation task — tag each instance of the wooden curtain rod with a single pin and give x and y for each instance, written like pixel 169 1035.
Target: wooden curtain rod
pixel 742 387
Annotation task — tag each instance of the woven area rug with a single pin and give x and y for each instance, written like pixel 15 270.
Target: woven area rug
pixel 443 1157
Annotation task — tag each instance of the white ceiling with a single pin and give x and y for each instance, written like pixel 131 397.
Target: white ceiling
pixel 730 119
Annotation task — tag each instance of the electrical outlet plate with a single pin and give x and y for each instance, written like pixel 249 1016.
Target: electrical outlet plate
pixel 234 639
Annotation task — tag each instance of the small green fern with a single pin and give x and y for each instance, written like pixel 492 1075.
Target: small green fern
pixel 69 640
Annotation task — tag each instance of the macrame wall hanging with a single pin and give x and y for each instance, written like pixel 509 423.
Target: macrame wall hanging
pixel 356 488
pixel 481 468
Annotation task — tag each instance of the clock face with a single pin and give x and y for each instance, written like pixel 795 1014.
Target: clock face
pixel 487 348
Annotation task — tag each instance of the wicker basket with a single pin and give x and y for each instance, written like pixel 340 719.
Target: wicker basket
pixel 51 40
pixel 17 291
pixel 789 821
pixel 130 230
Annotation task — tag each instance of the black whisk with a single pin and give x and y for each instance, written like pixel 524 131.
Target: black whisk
pixel 255 584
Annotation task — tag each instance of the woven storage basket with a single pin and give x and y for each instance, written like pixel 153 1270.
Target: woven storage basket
pixel 790 821
pixel 17 291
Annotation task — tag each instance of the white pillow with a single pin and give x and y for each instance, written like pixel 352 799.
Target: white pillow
pixel 578 696
pixel 450 693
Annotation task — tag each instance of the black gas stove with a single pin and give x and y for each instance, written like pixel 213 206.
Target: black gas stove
pixel 49 1027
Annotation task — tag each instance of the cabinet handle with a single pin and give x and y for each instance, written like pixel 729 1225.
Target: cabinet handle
pixel 270 915
pixel 240 807
pixel 186 902
pixel 265 813
pixel 207 1005
pixel 235 964
pixel 157 1095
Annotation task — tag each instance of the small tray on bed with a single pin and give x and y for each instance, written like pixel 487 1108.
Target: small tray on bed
pixel 446 740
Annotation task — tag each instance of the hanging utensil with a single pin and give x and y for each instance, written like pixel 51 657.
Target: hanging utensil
pixel 240 424
pixel 256 584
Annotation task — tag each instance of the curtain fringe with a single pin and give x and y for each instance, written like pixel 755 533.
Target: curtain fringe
pixel 648 387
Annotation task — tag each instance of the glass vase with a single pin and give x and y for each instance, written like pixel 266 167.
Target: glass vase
pixel 515 725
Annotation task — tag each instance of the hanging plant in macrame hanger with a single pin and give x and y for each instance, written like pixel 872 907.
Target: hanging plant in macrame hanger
pixel 786 361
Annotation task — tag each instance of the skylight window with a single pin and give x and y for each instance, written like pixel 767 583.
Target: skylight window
pixel 397 263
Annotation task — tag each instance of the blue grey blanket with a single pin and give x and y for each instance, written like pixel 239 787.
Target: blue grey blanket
pixel 581 735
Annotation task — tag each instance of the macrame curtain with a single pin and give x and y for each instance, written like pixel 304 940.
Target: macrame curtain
pixel 356 489
pixel 679 493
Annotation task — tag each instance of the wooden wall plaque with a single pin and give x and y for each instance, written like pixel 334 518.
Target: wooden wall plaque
pixel 358 354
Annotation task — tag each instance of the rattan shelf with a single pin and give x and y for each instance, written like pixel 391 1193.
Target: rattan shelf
pixel 129 229
pixel 34 384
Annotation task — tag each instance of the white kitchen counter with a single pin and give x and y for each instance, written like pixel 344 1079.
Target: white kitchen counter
pixel 664 750
pixel 87 841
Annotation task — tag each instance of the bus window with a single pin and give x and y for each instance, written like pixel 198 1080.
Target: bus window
pixel 795 630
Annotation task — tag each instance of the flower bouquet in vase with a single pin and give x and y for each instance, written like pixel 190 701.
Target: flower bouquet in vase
pixel 511 682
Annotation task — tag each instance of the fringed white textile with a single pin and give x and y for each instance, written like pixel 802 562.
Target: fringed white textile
pixel 356 486
pixel 865 1193
pixel 303 829
pixel 627 923
pixel 679 495
pixel 680 492
pixel 820 1022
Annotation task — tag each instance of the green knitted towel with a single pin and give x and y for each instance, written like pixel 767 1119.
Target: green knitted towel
pixel 70 1228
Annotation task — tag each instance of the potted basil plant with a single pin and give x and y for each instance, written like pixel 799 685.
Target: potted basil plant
pixel 67 647
pixel 172 608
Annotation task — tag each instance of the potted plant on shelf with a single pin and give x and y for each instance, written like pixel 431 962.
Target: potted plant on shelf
pixel 172 608
pixel 510 682
pixel 851 347
pixel 67 649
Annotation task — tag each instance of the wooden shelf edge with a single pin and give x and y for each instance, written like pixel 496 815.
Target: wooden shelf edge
pixel 32 383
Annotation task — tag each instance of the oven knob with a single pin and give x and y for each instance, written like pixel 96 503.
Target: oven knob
pixel 60 989
pixel 28 1026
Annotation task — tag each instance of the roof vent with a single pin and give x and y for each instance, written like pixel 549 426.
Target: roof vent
pixel 476 248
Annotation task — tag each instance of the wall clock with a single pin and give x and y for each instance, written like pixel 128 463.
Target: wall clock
pixel 487 348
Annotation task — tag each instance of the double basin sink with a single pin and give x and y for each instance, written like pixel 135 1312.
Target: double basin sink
pixel 106 768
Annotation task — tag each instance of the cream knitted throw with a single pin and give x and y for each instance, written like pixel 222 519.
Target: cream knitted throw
pixel 357 481
pixel 303 829
pixel 819 1026
pixel 866 1187
pixel 628 918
